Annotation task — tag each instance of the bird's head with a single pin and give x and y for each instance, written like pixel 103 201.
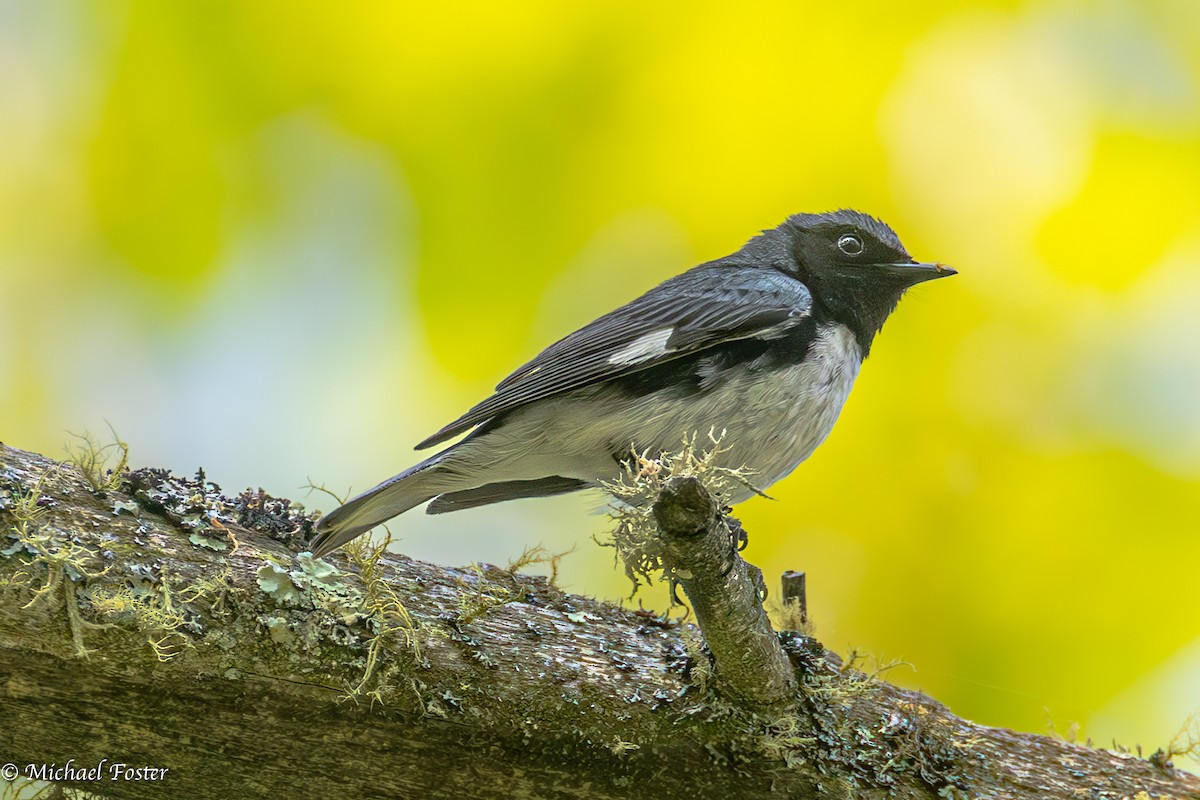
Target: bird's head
pixel 855 267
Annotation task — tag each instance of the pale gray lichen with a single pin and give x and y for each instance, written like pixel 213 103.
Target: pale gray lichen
pixel 276 582
pixel 318 573
pixel 126 507
pixel 200 540
pixel 279 629
pixel 635 536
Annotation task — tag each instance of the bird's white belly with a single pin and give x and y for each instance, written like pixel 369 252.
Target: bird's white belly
pixel 771 422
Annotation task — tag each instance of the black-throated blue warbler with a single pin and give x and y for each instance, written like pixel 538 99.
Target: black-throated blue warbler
pixel 763 344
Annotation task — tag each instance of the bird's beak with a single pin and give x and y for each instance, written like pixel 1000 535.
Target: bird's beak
pixel 918 272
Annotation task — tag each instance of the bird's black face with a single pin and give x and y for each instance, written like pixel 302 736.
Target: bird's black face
pixel 856 268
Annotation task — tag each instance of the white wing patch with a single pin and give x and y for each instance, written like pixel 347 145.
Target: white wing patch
pixel 649 346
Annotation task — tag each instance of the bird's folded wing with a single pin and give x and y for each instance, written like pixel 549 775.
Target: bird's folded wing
pixel 691 312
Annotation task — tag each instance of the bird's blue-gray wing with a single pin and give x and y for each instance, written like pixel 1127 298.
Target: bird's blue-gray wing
pixel 703 307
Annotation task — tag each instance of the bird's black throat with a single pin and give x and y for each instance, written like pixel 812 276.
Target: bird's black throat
pixel 862 306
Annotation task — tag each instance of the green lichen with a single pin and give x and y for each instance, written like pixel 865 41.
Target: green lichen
pixel 1184 744
pixel 160 606
pixel 539 555
pixel 50 557
pixel 30 789
pixel 365 613
pixel 481 595
pixel 56 566
pixel 386 615
pixel 95 462
pixel 838 732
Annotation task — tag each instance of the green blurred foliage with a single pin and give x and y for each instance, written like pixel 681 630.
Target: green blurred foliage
pixel 290 239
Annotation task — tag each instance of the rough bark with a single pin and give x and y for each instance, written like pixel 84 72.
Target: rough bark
pixel 726 595
pixel 171 627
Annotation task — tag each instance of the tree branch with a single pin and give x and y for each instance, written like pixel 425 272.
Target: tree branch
pixel 721 587
pixel 168 626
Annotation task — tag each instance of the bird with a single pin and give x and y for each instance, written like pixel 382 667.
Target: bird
pixel 763 344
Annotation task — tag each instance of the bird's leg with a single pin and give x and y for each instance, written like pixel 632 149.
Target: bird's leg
pixel 675 583
pixel 738 539
pixel 737 533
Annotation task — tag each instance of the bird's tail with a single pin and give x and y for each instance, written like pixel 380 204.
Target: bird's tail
pixel 394 496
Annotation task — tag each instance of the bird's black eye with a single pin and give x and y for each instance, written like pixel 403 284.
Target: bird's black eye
pixel 850 244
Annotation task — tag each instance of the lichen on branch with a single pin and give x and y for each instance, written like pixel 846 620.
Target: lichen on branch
pixel 635 533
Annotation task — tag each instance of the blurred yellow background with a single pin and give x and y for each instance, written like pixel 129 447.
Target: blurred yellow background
pixel 286 241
